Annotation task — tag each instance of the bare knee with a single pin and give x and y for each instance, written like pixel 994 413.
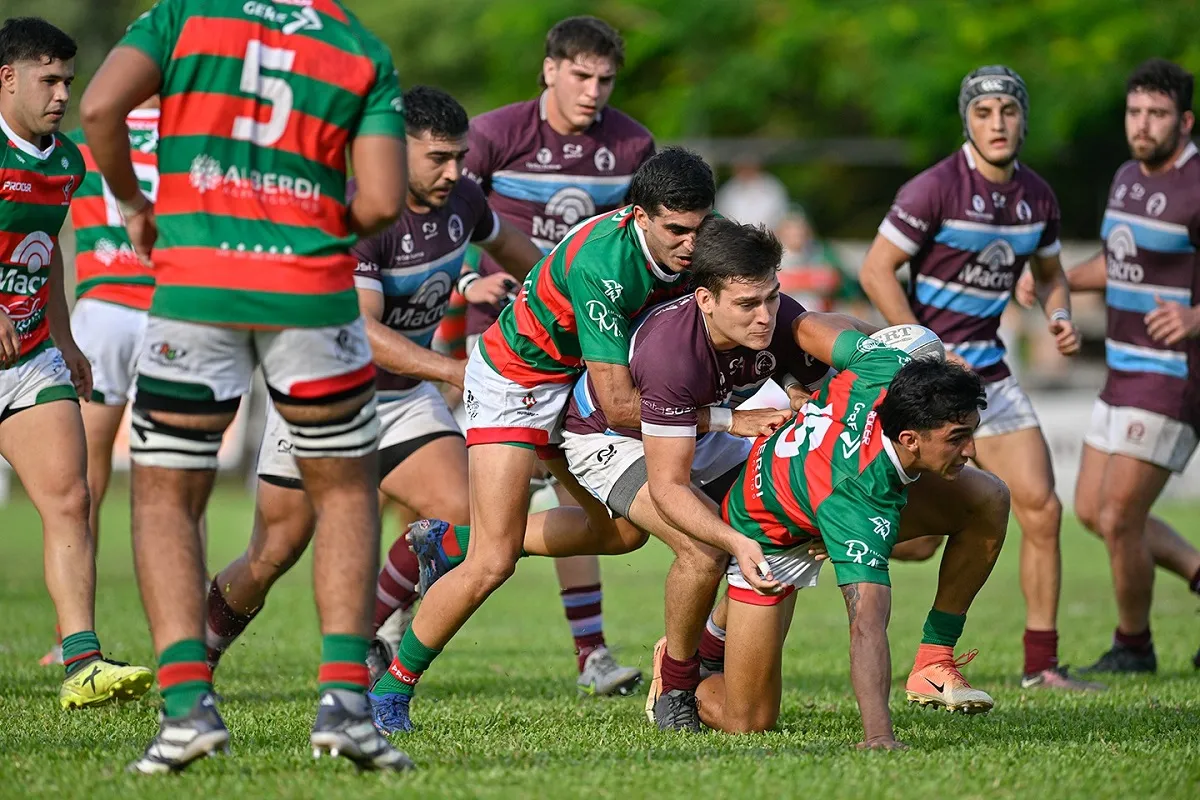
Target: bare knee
pixel 1087 509
pixel 71 503
pixel 1115 521
pixel 487 571
pixel 622 537
pixel 922 548
pixel 700 559
pixel 757 719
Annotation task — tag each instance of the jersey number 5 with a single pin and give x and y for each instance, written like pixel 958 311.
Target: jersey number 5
pixel 275 90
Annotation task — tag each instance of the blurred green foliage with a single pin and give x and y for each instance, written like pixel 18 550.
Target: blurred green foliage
pixel 793 68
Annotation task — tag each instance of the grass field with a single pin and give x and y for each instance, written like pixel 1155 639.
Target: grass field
pixel 498 715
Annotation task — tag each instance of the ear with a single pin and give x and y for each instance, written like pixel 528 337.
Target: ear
pixel 641 218
pixel 1186 122
pixel 549 71
pixel 8 76
pixel 706 300
pixel 910 441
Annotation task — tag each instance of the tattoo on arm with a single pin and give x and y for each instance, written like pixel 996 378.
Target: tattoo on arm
pixel 850 592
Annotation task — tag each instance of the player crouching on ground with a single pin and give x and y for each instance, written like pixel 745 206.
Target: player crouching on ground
pixel 844 470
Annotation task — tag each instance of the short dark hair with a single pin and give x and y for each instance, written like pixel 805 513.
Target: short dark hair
pixel 926 394
pixel 674 179
pixel 583 36
pixel 1160 75
pixel 34 39
pixel 435 111
pixel 728 251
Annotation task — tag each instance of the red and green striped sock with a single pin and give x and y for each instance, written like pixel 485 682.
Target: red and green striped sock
pixel 412 659
pixel 183 676
pixel 343 663
pixel 454 543
pixel 78 649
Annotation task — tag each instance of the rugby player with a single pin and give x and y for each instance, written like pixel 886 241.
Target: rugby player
pixel 547 164
pixel 577 304
pixel 43 372
pixel 404 278
pixel 967 226
pixel 1144 424
pixel 844 470
pixel 253 266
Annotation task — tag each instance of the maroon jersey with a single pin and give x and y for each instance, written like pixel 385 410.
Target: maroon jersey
pixel 415 262
pixel 968 240
pixel 1151 231
pixel 678 371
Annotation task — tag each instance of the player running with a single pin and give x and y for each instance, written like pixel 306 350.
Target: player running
pixel 548 164
pixel 844 470
pixel 253 266
pixel 967 226
pixel 403 280
pixel 1145 421
pixel 42 370
pixel 576 304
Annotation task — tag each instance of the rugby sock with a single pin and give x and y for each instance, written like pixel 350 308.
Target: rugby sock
pixel 454 543
pixel 1140 642
pixel 412 660
pixel 343 663
pixel 680 674
pixel 1041 651
pixel 224 624
pixel 712 647
pixel 78 649
pixel 1194 583
pixel 942 628
pixel 183 676
pixel 582 605
pixel 397 584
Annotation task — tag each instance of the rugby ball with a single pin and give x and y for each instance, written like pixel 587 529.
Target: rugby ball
pixel 916 340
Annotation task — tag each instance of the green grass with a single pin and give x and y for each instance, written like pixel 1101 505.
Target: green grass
pixel 498 715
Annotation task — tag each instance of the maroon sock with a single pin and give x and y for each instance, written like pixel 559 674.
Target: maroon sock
pixel 680 674
pixel 712 649
pixel 224 624
pixel 583 606
pixel 1194 583
pixel 1041 651
pixel 397 584
pixel 1140 642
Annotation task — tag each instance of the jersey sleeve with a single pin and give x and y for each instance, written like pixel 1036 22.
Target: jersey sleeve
pixel 482 152
pixel 602 322
pixel 872 362
pixel 669 389
pixel 858 533
pixel 487 224
pixel 1048 244
pixel 369 257
pixel 791 360
pixel 383 109
pixel 156 31
pixel 915 215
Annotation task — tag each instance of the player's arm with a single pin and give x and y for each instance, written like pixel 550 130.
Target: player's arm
pixel 869 608
pixel 879 281
pixel 1054 294
pixel 1090 276
pixel 58 317
pixel 397 353
pixel 669 475
pixel 381 180
pixel 615 393
pixel 816 332
pixel 126 79
pixel 513 250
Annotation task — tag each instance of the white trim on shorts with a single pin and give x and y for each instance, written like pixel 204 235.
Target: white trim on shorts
pixel 1145 435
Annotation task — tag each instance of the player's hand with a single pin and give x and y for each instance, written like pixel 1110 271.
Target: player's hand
pixel 882 743
pixel 955 358
pixel 490 290
pixel 10 341
pixel 1066 336
pixel 1025 291
pixel 754 567
pixel 1171 323
pixel 459 376
pixel 758 422
pixel 817 549
pixel 80 368
pixel 142 228
pixel 799 395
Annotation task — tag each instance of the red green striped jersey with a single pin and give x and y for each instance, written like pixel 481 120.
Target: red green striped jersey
pixel 259 103
pixel 578 302
pixel 35 194
pixel 106 268
pixel 830 472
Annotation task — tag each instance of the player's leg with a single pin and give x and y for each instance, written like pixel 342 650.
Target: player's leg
pixel 41 436
pixel 746 697
pixel 100 423
pixel 972 512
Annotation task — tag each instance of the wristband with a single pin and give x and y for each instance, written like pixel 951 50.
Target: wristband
pixel 719 419
pixel 138 205
pixel 1060 315
pixel 787 381
pixel 464 282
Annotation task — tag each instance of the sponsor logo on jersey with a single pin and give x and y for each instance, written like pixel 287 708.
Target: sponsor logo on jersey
pixel 425 307
pixel 454 226
pixel 166 354
pixel 1137 191
pixel 544 156
pixel 764 363
pixel 429 229
pixel 271 188
pixel 18 186
pixel 1156 204
pixel 570 204
pixel 612 289
pixel 1024 212
pixel 883 527
pixel 992 267
pixel 604 160
pixel 910 219
pixel 1122 249
pixel 34 251
pixel 572 151
pixel 599 313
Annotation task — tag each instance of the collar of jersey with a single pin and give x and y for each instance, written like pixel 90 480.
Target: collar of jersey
pixel 966 148
pixel 651 264
pixel 542 109
pixel 889 448
pixel 28 148
pixel 1186 155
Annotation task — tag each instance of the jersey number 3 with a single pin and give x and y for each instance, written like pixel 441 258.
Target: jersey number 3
pixel 274 90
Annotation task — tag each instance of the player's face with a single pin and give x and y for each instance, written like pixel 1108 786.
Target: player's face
pixel 434 166
pixel 743 312
pixel 995 126
pixel 1153 126
pixel 579 87
pixel 947 449
pixel 39 92
pixel 671 235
